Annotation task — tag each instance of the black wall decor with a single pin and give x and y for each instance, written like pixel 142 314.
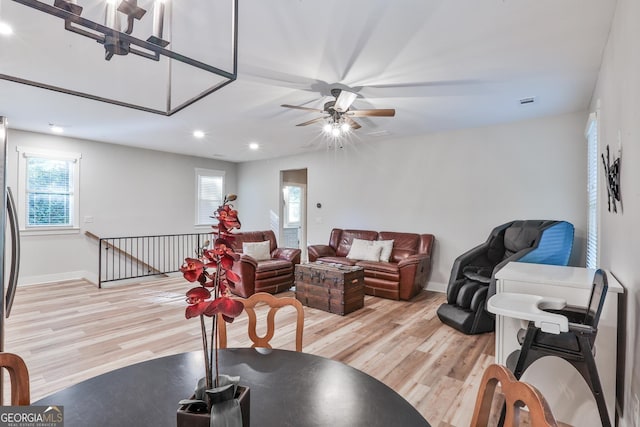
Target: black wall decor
pixel 612 176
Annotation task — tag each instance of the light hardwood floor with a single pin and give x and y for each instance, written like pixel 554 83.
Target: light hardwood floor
pixel 71 331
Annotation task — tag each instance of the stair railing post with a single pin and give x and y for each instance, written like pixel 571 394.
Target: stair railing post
pixel 100 264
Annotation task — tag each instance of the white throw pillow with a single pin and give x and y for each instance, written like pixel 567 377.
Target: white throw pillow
pixel 364 250
pixel 258 250
pixel 387 247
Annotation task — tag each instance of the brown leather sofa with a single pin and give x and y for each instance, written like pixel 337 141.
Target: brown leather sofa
pixel 272 275
pixel 402 277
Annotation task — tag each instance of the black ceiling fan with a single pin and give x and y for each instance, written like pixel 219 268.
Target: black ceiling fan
pixel 339 110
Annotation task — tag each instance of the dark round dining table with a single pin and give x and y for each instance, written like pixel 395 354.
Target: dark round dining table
pixel 287 389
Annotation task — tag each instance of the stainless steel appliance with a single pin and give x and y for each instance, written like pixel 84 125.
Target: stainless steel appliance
pixel 8 283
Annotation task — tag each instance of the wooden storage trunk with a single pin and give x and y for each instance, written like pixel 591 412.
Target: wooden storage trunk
pixel 334 288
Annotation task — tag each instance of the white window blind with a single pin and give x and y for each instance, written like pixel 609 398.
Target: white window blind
pixel 48 183
pixel 592 191
pixel 210 192
pixel 49 192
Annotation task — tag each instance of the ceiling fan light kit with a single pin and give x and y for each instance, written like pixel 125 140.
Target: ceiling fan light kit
pixel 344 100
pixel 337 114
pixel 336 129
pixel 187 59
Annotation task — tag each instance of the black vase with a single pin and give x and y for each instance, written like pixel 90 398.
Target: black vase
pixel 187 417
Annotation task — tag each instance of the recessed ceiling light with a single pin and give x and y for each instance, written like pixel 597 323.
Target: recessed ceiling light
pixel 56 129
pixel 5 29
pixel 198 134
pixel 254 145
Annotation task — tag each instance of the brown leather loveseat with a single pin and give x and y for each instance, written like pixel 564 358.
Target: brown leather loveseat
pixel 402 277
pixel 269 269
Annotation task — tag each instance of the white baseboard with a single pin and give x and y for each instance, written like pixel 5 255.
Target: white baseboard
pixel 57 277
pixel 437 287
pixel 86 275
pixel 125 282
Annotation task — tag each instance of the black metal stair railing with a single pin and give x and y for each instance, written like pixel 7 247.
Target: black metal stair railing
pixel 123 258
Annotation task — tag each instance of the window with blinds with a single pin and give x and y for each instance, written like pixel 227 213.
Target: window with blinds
pixel 50 192
pixel 48 196
pixel 592 191
pixel 210 191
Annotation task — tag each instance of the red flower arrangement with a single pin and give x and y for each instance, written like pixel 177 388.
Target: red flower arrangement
pixel 212 296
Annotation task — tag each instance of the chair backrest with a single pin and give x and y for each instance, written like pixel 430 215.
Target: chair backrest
pixel 19 376
pixel 407 244
pixel 596 300
pixel 532 241
pixel 553 245
pixel 341 240
pixel 275 304
pixel 516 394
pixel 254 237
pixel 522 235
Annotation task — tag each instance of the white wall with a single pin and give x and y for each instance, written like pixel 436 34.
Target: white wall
pixel 618 90
pixel 455 185
pixel 127 191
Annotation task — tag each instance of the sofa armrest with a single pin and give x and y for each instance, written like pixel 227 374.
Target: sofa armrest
pixel 414 271
pixel 413 259
pixel 247 261
pixel 288 254
pixel 468 258
pixel 245 267
pixel 319 251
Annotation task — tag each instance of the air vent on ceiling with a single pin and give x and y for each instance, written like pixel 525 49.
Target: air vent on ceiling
pixel 379 133
pixel 529 100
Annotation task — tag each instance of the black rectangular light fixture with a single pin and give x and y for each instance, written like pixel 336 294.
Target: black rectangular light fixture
pixel 146 35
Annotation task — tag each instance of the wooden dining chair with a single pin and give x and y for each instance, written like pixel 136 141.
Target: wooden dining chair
pixel 275 303
pixel 19 376
pixel 516 394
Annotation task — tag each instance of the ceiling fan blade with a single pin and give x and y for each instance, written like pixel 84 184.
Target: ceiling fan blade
pixel 279 78
pixel 344 101
pixel 381 112
pixel 311 121
pixel 422 89
pixel 315 110
pixel 352 123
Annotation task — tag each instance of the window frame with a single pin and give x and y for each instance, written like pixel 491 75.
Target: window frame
pixel 74 211
pixel 592 242
pixel 200 172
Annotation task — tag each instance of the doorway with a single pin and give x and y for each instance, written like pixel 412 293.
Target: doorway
pixel 293 210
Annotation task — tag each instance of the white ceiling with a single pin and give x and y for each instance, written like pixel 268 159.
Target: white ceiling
pixel 442 64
